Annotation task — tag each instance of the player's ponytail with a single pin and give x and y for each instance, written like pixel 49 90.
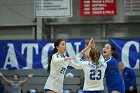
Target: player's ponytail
pixel 49 63
pixel 95 55
pixel 115 55
pixel 56 44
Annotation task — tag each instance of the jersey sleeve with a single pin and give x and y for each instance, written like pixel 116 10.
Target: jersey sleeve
pixel 102 61
pixel 75 64
pixel 79 63
pixel 57 59
pixel 78 57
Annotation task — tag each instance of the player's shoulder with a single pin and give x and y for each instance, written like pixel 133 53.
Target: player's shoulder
pixel 55 55
pixel 111 59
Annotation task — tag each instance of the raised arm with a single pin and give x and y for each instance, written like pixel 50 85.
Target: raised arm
pixel 27 78
pixel 91 44
pixel 78 62
pixel 5 79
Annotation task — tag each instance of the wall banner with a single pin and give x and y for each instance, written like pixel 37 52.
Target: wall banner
pixel 98 7
pixel 128 50
pixel 131 7
pixel 53 8
pixel 29 54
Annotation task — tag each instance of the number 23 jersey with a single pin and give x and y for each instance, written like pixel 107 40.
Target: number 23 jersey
pixel 93 79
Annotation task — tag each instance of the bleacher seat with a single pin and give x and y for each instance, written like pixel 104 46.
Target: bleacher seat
pixel 67 91
pixel 40 77
pixel 80 91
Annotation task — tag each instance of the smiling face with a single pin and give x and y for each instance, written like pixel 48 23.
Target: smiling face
pixel 61 47
pixel 107 51
pixel 15 78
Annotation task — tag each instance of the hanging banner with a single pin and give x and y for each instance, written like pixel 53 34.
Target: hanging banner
pixel 53 8
pixel 98 7
pixel 27 54
pixel 128 50
pixel 131 7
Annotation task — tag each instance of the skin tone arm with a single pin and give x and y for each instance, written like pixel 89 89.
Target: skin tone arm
pixel 74 63
pixel 90 45
pixel 27 78
pixel 5 79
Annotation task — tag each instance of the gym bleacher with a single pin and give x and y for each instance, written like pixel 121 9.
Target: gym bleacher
pixel 37 82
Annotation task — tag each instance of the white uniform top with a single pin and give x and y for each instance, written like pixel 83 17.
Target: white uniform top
pixel 92 81
pixel 57 71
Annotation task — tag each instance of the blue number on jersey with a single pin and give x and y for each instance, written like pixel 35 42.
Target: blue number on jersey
pixel 93 77
pixel 62 71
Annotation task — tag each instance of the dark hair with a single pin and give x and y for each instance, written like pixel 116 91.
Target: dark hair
pixel 56 44
pixel 16 75
pixel 1 87
pixel 113 49
pixel 95 55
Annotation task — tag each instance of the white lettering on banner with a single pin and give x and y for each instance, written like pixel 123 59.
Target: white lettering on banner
pixel 70 49
pixel 125 53
pixel 44 55
pixel 77 46
pixel 11 58
pixel 29 48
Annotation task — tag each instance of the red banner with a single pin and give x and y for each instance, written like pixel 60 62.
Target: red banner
pixel 98 7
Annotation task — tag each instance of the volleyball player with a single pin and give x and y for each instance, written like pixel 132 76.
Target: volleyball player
pixel 57 66
pixel 114 80
pixel 94 69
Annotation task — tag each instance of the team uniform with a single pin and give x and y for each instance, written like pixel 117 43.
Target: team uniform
pixel 114 80
pixel 129 80
pixel 56 77
pixel 93 82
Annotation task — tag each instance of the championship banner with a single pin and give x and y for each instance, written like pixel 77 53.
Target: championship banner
pixel 128 50
pixel 131 7
pixel 98 7
pixel 29 54
pixel 53 8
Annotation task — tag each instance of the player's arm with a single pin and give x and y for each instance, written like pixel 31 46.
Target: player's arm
pixel 76 64
pixel 86 49
pixel 5 79
pixel 26 79
pixel 133 78
pixel 57 59
pixel 91 44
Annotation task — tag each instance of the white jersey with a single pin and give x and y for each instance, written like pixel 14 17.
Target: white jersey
pixel 57 71
pixel 92 82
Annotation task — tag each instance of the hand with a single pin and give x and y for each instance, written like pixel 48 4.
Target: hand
pixel 131 88
pixel 91 43
pixel 1 74
pixel 30 75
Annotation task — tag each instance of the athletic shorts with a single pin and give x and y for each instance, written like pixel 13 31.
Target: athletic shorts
pixel 46 90
pixel 93 91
